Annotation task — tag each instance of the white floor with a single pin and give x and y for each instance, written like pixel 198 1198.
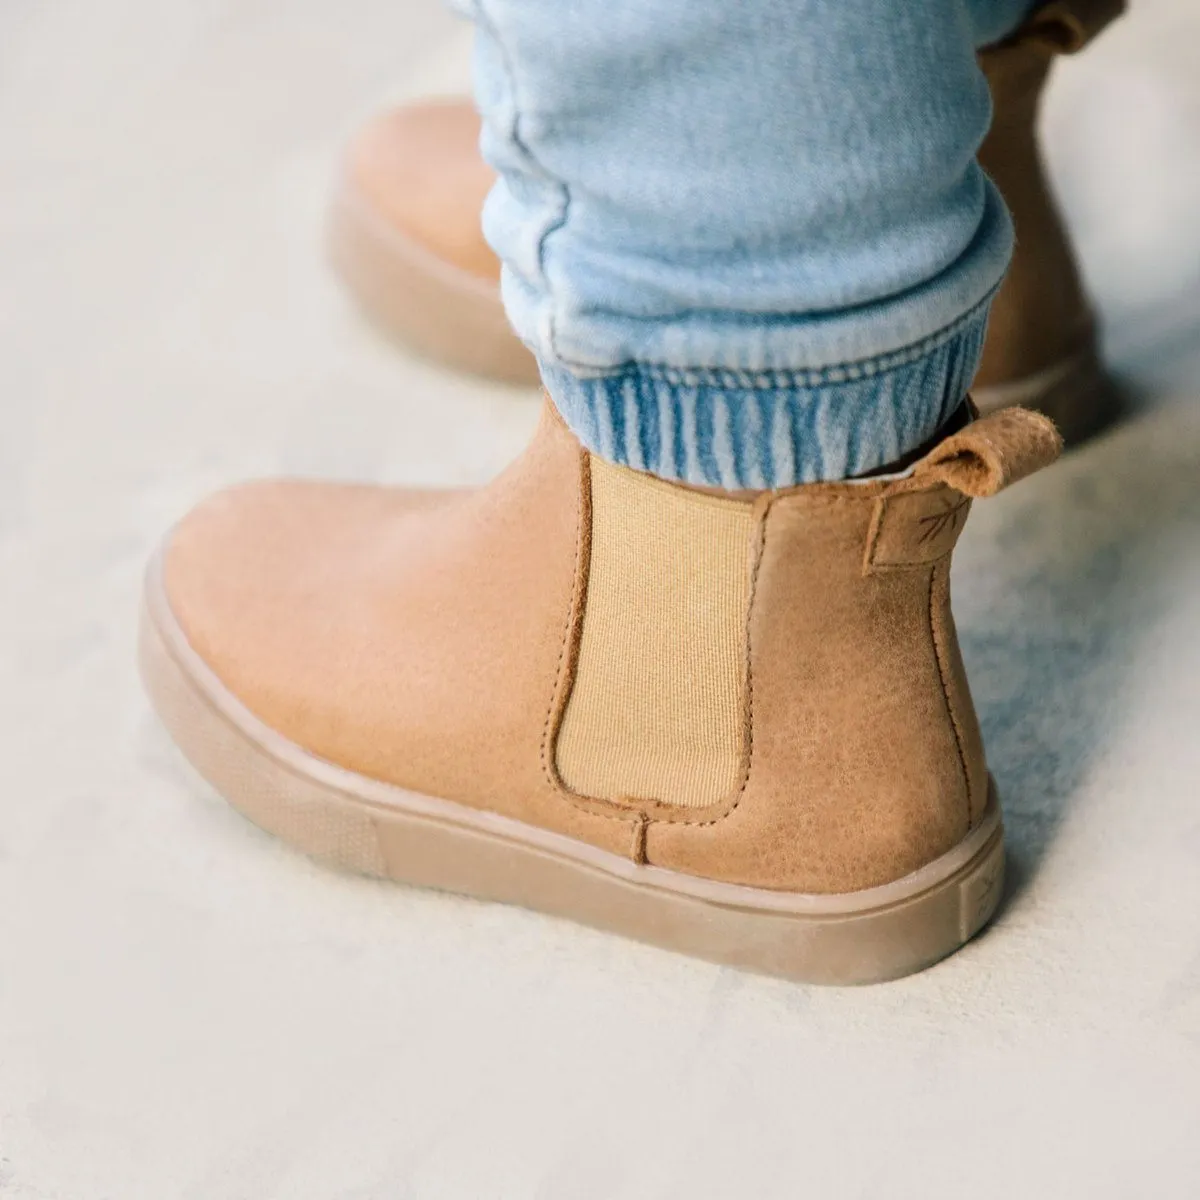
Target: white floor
pixel 189 1010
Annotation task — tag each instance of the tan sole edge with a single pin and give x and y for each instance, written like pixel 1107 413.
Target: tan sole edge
pixel 1077 394
pixel 442 311
pixel 377 829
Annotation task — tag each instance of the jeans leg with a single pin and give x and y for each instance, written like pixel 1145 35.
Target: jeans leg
pixel 749 243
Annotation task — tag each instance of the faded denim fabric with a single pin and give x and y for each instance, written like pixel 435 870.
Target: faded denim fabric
pixel 748 242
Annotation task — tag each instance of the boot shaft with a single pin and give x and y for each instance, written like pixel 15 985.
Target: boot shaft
pixel 775 683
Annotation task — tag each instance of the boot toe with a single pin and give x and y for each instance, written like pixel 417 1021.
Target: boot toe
pixel 275 586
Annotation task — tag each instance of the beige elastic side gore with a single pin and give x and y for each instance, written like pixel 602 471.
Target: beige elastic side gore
pixel 657 711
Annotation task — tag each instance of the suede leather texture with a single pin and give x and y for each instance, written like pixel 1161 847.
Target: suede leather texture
pixel 1041 315
pixel 416 638
pixel 430 640
pixel 864 756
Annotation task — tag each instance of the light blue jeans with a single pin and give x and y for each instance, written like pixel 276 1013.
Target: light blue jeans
pixel 747 240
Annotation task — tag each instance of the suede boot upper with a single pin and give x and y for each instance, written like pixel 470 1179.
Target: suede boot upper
pixel 765 691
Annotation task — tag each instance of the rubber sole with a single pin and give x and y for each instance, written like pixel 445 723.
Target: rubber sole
pixel 363 825
pixel 440 310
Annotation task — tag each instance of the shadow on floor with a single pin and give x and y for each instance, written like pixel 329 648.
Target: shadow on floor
pixel 1055 585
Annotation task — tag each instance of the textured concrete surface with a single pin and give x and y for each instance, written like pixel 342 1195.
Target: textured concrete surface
pixel 189 1010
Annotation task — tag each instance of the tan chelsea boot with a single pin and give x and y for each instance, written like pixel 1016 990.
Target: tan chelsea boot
pixel 1041 348
pixel 404 234
pixel 737 727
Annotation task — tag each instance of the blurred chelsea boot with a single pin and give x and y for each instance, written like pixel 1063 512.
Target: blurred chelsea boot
pixel 735 726
pixel 405 236
pixel 1041 348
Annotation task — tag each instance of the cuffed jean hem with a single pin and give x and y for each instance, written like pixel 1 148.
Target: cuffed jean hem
pixel 737 430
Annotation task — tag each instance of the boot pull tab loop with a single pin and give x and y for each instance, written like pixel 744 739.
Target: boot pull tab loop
pixel 1066 26
pixel 992 452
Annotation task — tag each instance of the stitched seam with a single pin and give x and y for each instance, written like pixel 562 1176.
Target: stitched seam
pixel 484 20
pixel 951 712
pixel 561 694
pixel 877 519
pixel 562 649
pixel 554 227
pixel 574 601
pixel 637 849
pixel 784 378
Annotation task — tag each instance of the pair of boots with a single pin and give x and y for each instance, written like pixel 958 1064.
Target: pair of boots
pixel 736 726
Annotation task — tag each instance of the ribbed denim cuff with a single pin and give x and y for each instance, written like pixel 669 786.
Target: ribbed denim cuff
pixel 774 429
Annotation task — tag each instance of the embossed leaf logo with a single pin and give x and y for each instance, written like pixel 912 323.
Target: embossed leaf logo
pixel 934 525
